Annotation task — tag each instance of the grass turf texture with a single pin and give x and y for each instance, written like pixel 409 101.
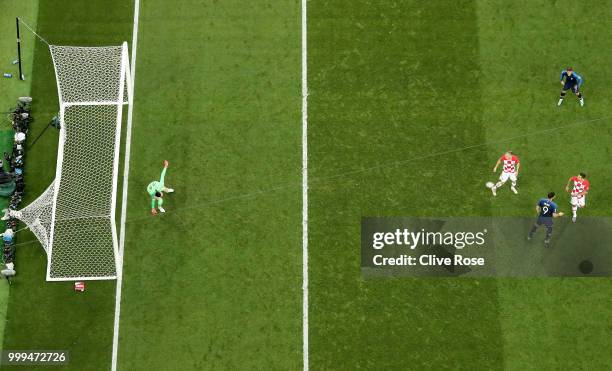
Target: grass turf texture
pixel 11 89
pixel 216 280
pixel 554 323
pixel 388 79
pixel 399 81
pixel 215 283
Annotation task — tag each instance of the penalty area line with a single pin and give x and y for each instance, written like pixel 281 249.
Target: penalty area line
pixel 305 325
pixel 124 194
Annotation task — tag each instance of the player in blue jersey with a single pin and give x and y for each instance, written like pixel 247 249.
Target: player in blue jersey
pixel 547 210
pixel 571 81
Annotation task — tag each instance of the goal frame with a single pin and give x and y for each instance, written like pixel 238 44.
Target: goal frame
pixel 125 80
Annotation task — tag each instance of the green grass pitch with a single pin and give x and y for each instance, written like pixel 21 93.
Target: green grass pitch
pixel 410 105
pixel 12 88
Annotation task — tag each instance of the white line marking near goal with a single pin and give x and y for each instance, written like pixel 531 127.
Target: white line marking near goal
pixel 304 188
pixel 124 194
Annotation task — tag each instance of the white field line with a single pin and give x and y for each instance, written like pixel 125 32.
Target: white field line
pixel 304 188
pixel 124 194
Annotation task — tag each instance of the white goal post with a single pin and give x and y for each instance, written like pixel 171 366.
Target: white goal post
pixel 74 220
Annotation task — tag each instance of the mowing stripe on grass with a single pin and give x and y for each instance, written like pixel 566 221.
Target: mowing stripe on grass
pixel 554 323
pixel 394 80
pixel 219 96
pixel 124 194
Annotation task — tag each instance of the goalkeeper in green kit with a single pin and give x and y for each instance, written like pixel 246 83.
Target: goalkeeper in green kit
pixel 156 190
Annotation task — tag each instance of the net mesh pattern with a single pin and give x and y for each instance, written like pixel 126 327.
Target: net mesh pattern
pixel 86 184
pixel 88 74
pixel 37 216
pixel 80 238
pixel 82 248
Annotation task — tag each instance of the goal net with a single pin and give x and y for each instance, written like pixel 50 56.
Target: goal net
pixel 74 219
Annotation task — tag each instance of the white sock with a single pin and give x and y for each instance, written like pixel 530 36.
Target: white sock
pixel 574 209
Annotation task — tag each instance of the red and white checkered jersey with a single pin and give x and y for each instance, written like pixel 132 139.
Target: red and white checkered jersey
pixel 510 165
pixel 580 185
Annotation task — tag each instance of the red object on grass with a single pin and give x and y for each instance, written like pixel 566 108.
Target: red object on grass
pixel 79 286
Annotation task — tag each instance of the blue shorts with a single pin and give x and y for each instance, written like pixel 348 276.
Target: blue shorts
pixel 546 220
pixel 572 87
